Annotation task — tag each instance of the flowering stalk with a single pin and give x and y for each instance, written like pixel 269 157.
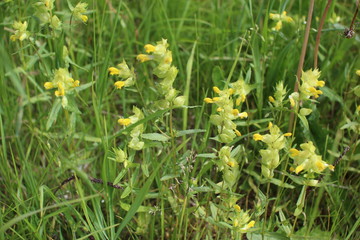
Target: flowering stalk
pixel 226 112
pixel 165 71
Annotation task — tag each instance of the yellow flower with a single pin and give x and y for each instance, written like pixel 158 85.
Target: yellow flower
pixel 216 89
pixel 299 168
pixel 78 11
pixel 143 58
pixel 124 121
pixel 280 18
pixel 294 152
pixel 243 115
pixel 119 84
pixel 48 85
pixel 271 99
pixel 208 100
pixel 20 31
pixel 149 48
pixel 216 99
pixel 113 71
pixel 358 72
pixel 237 208
pixel 287 134
pixel 250 224
pixel 235 112
pixel 231 164
pixel 62 81
pixel 237 132
pixel 219 109
pixel 258 137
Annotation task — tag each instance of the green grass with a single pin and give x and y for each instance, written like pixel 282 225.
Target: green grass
pixel 171 190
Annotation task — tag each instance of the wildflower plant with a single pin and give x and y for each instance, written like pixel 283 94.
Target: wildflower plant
pixel 165 71
pixel 307 161
pixel 135 142
pixel 64 83
pixel 279 19
pixel 79 10
pixel 226 113
pixel 123 71
pixel 270 157
pixel 21 32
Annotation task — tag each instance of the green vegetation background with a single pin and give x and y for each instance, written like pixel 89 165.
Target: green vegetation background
pixel 35 161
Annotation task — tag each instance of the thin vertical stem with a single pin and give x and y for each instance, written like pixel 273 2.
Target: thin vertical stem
pixel 302 58
pixel 318 35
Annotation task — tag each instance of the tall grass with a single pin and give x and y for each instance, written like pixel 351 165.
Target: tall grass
pixel 173 188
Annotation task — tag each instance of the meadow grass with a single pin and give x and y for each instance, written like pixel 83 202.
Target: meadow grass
pixel 69 170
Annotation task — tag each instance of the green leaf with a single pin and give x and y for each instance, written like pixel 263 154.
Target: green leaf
pixel 53 114
pixel 155 137
pixel 126 192
pixel 189 131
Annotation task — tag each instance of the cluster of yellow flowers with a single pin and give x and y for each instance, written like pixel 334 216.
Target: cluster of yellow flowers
pixel 135 142
pixel 307 89
pixel 226 112
pixel 62 81
pixel 241 219
pixel 165 71
pixel 275 141
pixel 21 32
pixel 122 70
pixel 280 18
pixel 307 160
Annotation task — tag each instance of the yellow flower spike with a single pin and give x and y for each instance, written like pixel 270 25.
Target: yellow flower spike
pixel 237 132
pixel 287 134
pixel 48 85
pixel 143 58
pixel 320 83
pixel 331 167
pixel 357 72
pixel 299 168
pixel 271 99
pixel 119 84
pixel 216 90
pixel 113 71
pixel 208 100
pixel 219 109
pixel 294 152
pixel 243 115
pixel 231 164
pixel 149 48
pixel 124 121
pixel 235 112
pixel 216 99
pixel 237 208
pixel 258 137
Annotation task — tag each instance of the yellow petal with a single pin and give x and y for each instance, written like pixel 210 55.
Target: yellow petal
pixel 48 85
pixel 119 84
pixel 113 71
pixel 258 137
pixel 149 48
pixel 143 57
pixel 208 100
pixel 216 89
pixel 124 121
